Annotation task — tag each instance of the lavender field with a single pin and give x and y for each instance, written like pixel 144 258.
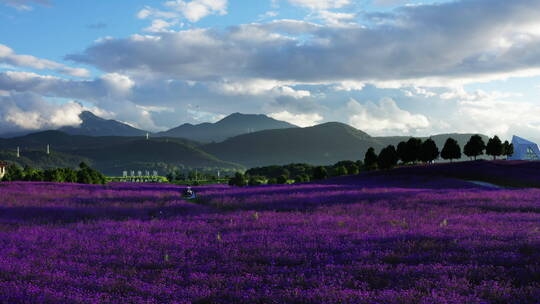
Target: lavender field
pixel 350 240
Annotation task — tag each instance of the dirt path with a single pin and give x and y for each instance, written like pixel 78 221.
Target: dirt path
pixel 485 184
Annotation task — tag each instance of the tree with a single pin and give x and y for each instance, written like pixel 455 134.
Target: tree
pixel 451 150
pixel 281 180
pixel 238 180
pixel 370 159
pixel 255 181
pixel 351 166
pixel 413 150
pixel 508 149
pixel 13 173
pixel 474 147
pixel 429 151
pixel 302 178
pixel 402 151
pixel 494 147
pixel 388 158
pixel 340 171
pixel 320 173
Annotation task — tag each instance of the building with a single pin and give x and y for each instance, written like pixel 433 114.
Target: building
pixel 524 149
pixel 3 167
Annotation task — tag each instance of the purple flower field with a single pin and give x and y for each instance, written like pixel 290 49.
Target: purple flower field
pixel 349 240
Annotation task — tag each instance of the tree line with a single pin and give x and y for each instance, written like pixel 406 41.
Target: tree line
pixel 83 175
pixel 415 150
pixel 294 173
pixel 411 151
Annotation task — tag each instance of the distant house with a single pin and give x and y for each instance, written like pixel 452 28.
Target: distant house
pixel 524 149
pixel 3 167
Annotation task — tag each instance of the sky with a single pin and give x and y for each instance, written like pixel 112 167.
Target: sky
pixel 387 67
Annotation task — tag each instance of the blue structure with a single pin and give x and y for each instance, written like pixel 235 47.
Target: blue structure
pixel 524 149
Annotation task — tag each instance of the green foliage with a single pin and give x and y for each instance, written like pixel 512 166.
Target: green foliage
pixel 429 151
pixel 320 173
pixel 474 147
pixel 13 173
pixel 508 149
pixel 351 166
pixel 410 152
pixel 276 171
pixel 238 180
pixel 340 171
pixel 402 150
pixel 370 159
pixel 281 180
pixel 255 180
pixel 451 150
pixel 494 147
pixel 388 158
pixel 85 175
pixel 303 178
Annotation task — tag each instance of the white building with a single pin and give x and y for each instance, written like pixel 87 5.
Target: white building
pixel 3 167
pixel 524 149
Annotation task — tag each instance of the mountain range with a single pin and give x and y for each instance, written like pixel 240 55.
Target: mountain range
pixel 265 141
pixel 93 125
pixel 230 126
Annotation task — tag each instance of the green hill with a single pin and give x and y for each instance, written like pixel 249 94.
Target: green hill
pixel 232 125
pixel 93 125
pixel 323 144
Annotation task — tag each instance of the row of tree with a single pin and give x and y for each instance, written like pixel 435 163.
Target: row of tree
pixel 83 175
pixel 415 150
pixel 297 173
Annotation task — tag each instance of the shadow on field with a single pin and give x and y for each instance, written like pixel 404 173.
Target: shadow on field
pixel 59 215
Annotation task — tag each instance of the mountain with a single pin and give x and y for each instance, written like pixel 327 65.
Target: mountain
pixel 109 154
pixel 93 125
pixel 319 145
pixel 230 126
pixel 322 144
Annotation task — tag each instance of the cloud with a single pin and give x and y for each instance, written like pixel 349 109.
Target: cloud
pixel 111 93
pixel 385 118
pixel 24 5
pixel 193 11
pixel 320 4
pixel 30 112
pixel 421 45
pixel 256 87
pixel 160 26
pixel 197 9
pixel 301 120
pixel 8 56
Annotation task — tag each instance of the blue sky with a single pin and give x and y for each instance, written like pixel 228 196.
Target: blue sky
pixel 387 67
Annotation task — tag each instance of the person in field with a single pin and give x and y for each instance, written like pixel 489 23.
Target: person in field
pixel 189 193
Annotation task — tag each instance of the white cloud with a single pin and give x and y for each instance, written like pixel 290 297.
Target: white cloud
pixel 256 87
pixel 23 5
pixel 385 118
pixel 8 56
pixel 31 112
pixel 336 18
pixel 320 4
pixel 503 118
pixel 350 85
pixel 193 11
pixel 409 48
pixel 301 120
pixel 160 26
pixel 197 9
